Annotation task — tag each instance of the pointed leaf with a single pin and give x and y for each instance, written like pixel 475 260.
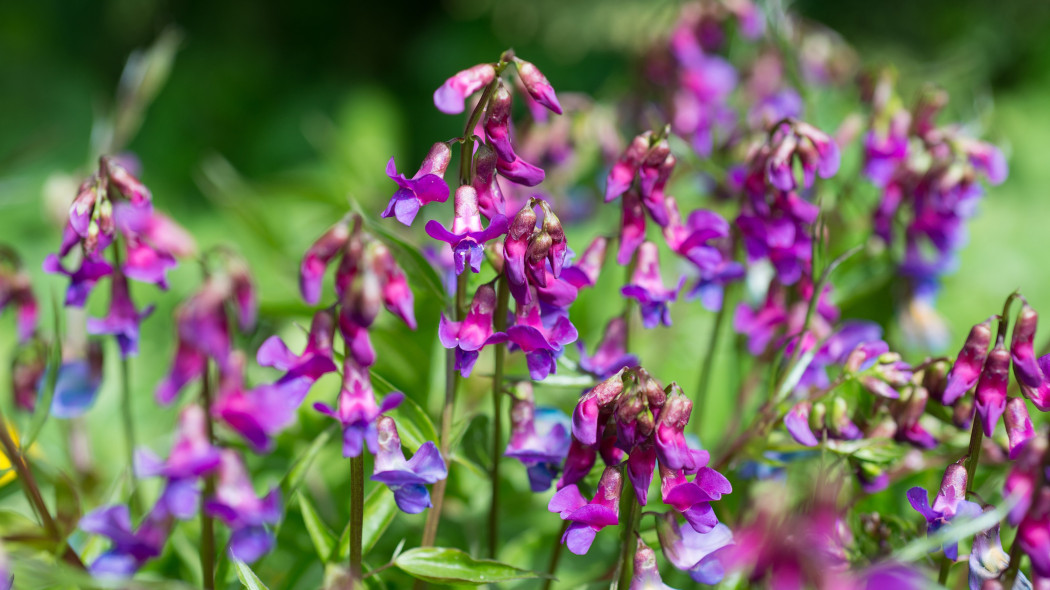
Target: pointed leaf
pixel 292 480
pixel 445 565
pixel 247 577
pixel 322 537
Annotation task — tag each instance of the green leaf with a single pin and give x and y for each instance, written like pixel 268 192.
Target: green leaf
pixel 247 577
pixel 444 565
pixel 414 426
pixel 54 361
pixel 293 480
pixel 380 510
pixel 322 537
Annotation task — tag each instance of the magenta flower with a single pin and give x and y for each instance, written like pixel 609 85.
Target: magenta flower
pixel 539 438
pixel 611 354
pixel 594 409
pixel 451 96
pixel 537 85
pixel 648 288
pixel 257 414
pixel 990 395
pixel 247 515
pixel 1033 534
pixel 578 463
pixel 542 340
pixel 584 273
pixel 203 333
pixel 318 256
pixel 968 364
pixel 1018 425
pixel 491 201
pixel 426 186
pixel 474 332
pixel 1022 348
pixel 191 456
pixel 700 554
pixel 17 292
pixel 152 242
pixel 669 436
pixel 693 498
pixel 131 548
pixel 1024 473
pixel 406 478
pixel 357 410
pixel 949 503
pixel 622 173
pixel 123 319
pixel 815 150
pixel 301 371
pixel 588 517
pixel 467 235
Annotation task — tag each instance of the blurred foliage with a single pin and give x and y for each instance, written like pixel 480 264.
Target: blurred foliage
pixel 278 116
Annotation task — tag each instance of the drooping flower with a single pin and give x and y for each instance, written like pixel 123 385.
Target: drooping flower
pixel 474 332
pixel 426 186
pixel 611 354
pixel 451 96
pixel 648 288
pixel 692 499
pixel 358 411
pixel 1018 425
pixel 406 478
pixel 537 85
pixel 949 503
pixel 990 395
pixel 249 517
pixel 542 339
pixel 587 518
pixel 700 554
pixel 192 456
pixel 646 573
pixel 83 279
pixel 77 383
pixel 539 438
pixel 131 548
pixel 968 365
pixel 467 236
pixel 316 259
pixel 1033 534
pixel 301 371
pixel 1024 473
pixel 585 271
pixel 17 292
pixel 123 319
pixel 259 413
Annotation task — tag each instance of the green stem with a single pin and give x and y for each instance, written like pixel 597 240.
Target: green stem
pixel 942 575
pixel 126 415
pixel 973 455
pixel 628 540
pixel 552 566
pixel 32 492
pixel 357 516
pixel 207 549
pixel 451 383
pixel 499 325
pixel 709 359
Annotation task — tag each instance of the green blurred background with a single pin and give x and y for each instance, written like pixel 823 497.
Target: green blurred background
pixel 275 115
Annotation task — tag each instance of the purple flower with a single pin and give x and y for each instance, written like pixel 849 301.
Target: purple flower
pixel 697 553
pixel 474 332
pixel 203 333
pixel 990 395
pixel 578 463
pixel 491 201
pixel 77 384
pixel 407 479
pixel 693 498
pixel 539 438
pixel 797 423
pixel 191 456
pixel 81 281
pixel 632 227
pixel 669 436
pixel 451 96
pixel 1018 425
pixel 318 256
pixel 357 409
pixel 584 273
pixel 16 291
pixel 1024 473
pixel 426 186
pixel 987 559
pixel 622 173
pixel 543 341
pixel 130 548
pixel 968 364
pixel 648 288
pixel 594 408
pixel 611 354
pixel 27 367
pixel 152 242
pixel 123 319
pixel 885 151
pixel 257 414
pixel 537 85
pixel 1033 534
pixel 949 503
pixel 247 515
pixel 301 371
pixel 646 573
pixel 1022 351
pixel 761 325
pixel 467 235
pixel 587 518
pixel 497 132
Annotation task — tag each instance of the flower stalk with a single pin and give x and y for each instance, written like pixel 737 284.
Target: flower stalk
pixel 207 550
pixel 499 325
pixel 357 516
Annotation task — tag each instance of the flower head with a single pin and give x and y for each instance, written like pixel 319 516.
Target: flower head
pixel 539 438
pixel 406 478
pixel 588 517
pixel 450 97
pixel 467 236
pixel 357 410
pixel 647 287
pixel 426 186
pixel 248 516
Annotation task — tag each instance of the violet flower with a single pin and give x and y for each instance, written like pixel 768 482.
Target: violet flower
pixel 191 457
pixel 123 319
pixel 586 518
pixel 451 96
pixel 1024 473
pixel 152 242
pixel 248 516
pixel 257 414
pixel 543 341
pixel 537 85
pixel 647 287
pixel 611 354
pixel 692 499
pixel 76 385
pixel 990 395
pixel 491 201
pixel 1033 534
pixel 467 236
pixel 1018 425
pixel 474 332
pixel 539 438
pixel 357 410
pixel 949 503
pixel 16 291
pixel 301 371
pixel 968 364
pixel 131 548
pixel 622 173
pixel 83 279
pixel 700 554
pixel 203 333
pixel 816 151
pixel 1022 348
pixel 497 132
pixel 316 259
pixel 426 186
pixel 406 479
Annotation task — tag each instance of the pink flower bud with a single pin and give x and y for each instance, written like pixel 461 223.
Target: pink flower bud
pixel 490 198
pixel 623 171
pixel 1018 425
pixel 451 96
pixel 317 257
pixel 1022 347
pixel 497 123
pixel 990 396
pixel 967 368
pixel 537 85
